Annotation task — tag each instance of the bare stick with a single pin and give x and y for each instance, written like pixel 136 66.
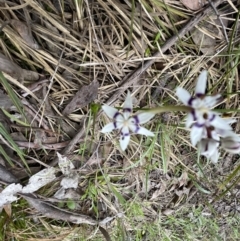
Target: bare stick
pixel 219 18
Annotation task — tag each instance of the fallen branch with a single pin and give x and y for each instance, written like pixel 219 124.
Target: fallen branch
pixel 50 211
pixel 53 212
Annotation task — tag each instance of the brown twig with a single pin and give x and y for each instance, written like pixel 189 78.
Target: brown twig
pixel 220 19
pixel 53 146
pixel 134 76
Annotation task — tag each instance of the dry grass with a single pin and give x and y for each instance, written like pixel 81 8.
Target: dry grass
pixel 158 189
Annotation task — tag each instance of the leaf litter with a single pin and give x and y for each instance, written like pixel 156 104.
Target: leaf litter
pixel 70 179
pixel 82 98
pixel 194 4
pixel 25 33
pixel 208 35
pixel 41 179
pixel 56 30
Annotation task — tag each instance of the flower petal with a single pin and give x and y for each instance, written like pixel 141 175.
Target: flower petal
pixel 212 147
pixel 231 144
pixel 196 134
pixel 124 141
pixel 108 128
pixel 230 120
pixel 125 138
pixel 143 131
pixel 141 118
pixel 214 158
pixel 140 130
pixel 127 106
pixel 110 111
pixel 209 149
pixel 200 117
pixel 190 120
pixel 201 83
pixel 213 134
pixel 223 133
pixel 119 117
pixel 183 95
pixel 211 101
pixel 220 123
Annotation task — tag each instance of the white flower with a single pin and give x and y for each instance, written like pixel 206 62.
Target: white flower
pixel 209 149
pixel 231 143
pixel 204 123
pixel 125 122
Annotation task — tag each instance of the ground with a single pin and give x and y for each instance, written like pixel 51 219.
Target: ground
pixel 61 61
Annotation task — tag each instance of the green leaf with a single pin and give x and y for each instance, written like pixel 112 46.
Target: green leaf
pixel 201 188
pixel 5 155
pixel 14 118
pixel 12 94
pixel 71 204
pixel 9 139
pixel 230 177
pixel 120 198
pixel 95 108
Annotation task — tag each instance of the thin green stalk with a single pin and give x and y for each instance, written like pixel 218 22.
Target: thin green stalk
pixel 168 108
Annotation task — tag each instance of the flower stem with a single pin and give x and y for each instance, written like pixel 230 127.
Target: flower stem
pixel 168 108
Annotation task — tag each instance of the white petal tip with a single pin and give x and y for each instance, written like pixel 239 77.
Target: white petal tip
pixel 201 83
pixel 144 131
pixel 183 95
pixel 124 141
pixel 109 111
pixel 108 128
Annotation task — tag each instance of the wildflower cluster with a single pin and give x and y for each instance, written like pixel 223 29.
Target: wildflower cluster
pixel 208 129
pixel 125 121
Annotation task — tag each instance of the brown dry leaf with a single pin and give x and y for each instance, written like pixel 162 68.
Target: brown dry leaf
pixel 53 212
pixel 83 97
pixel 183 179
pixel 69 127
pixel 30 75
pixel 201 35
pixel 7 176
pixel 15 71
pixel 94 161
pixel 24 32
pixel 167 211
pixel 7 66
pixel 8 209
pixel 22 173
pixel 5 102
pixel 194 4
pixel 159 191
pixel 18 136
pixel 51 44
pixel 67 194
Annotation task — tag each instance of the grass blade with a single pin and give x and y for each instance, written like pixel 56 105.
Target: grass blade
pixel 11 94
pixel 14 146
